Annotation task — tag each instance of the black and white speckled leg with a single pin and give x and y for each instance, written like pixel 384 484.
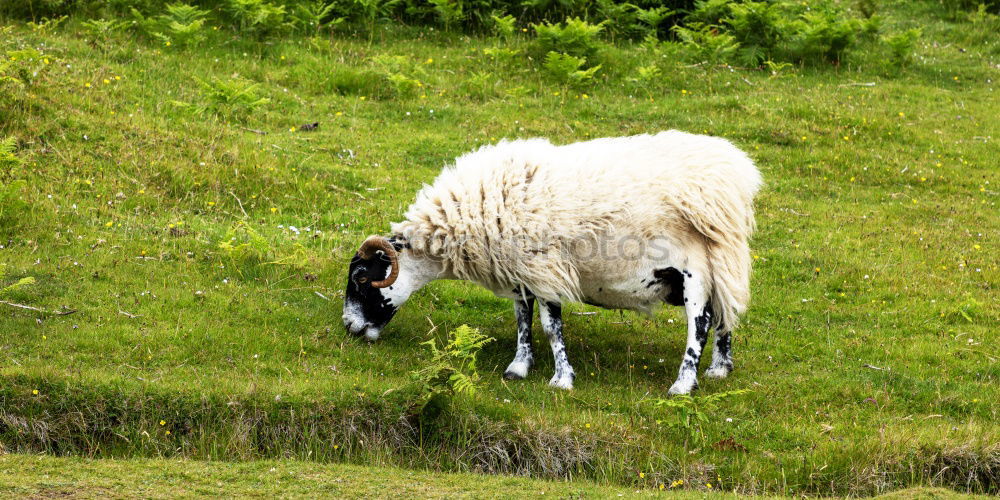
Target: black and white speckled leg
pixel 523 356
pixel 722 360
pixel 699 321
pixel 551 315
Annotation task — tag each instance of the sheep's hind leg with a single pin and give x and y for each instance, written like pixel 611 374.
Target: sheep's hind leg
pixel 551 315
pixel 699 321
pixel 722 361
pixel 523 357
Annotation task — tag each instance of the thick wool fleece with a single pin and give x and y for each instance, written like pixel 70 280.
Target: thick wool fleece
pixel 529 213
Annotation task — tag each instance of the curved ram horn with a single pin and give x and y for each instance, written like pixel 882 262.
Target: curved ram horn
pixel 367 251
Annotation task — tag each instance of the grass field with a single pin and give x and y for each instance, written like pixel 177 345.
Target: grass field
pixel 159 207
pixel 41 477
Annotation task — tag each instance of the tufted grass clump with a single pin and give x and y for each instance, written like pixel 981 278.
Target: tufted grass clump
pixel 11 287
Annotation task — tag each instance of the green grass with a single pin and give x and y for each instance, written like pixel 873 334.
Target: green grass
pixel 44 476
pixel 41 477
pixel 869 350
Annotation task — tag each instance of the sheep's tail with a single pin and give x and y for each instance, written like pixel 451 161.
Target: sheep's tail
pixel 721 210
pixel 730 284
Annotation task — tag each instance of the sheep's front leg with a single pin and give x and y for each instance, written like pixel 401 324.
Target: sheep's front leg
pixel 523 357
pixel 699 320
pixel 551 315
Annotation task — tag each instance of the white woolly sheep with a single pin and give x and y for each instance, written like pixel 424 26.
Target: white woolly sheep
pixel 623 223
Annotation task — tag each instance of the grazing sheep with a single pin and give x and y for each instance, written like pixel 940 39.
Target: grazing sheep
pixel 622 223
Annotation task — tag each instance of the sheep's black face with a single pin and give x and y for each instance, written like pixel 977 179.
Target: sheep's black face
pixel 367 309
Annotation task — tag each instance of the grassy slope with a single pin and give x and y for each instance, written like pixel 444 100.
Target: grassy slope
pixel 878 236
